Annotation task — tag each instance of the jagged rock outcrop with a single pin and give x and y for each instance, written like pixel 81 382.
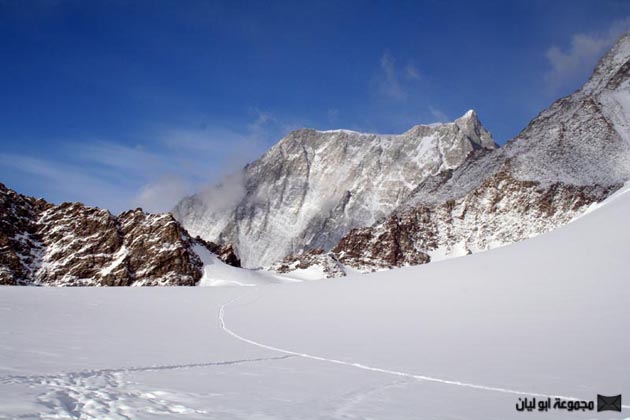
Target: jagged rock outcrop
pixel 499 212
pixel 331 268
pixel 345 201
pixel 20 241
pixel 312 187
pixel 76 245
pixel 573 154
pixel 224 252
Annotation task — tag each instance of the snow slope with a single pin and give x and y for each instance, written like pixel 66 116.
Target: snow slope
pixel 463 338
pixel 312 187
pixel 218 273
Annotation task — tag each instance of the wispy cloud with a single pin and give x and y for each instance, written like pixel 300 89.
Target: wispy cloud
pixel 387 80
pixel 68 182
pixel 438 115
pixel 166 165
pixel 162 194
pixel 573 64
pixel 412 72
pixel 392 81
pixel 333 115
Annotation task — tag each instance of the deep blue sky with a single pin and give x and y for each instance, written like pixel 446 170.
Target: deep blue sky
pixel 121 104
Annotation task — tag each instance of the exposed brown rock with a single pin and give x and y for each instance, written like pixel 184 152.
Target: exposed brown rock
pixel 503 210
pixel 331 267
pixel 76 245
pixel 225 252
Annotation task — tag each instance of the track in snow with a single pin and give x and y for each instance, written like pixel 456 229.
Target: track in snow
pixel 110 394
pixel 381 370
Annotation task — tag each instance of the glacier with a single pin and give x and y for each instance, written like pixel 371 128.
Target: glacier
pixel 463 338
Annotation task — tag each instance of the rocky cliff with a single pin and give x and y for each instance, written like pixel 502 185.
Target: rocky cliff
pixel 313 187
pixel 573 154
pixel 345 201
pixel 76 245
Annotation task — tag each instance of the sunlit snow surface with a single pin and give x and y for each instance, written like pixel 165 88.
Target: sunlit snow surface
pixel 546 316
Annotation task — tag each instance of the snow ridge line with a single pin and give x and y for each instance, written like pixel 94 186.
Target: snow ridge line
pixel 225 328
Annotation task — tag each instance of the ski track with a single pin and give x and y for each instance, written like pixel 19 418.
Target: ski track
pixel 13 379
pixel 349 401
pixel 106 393
pixel 382 370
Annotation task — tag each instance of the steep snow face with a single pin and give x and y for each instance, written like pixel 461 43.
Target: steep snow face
pixel 313 187
pixel 574 154
pixel 582 139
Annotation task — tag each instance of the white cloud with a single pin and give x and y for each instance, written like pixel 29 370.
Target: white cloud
pixel 163 194
pixel 438 115
pixel 392 81
pixel 202 157
pixel 115 155
pixel 67 182
pixel 333 115
pixel 224 194
pixel 412 72
pixel 214 151
pixel 172 163
pixel 387 80
pixel 571 65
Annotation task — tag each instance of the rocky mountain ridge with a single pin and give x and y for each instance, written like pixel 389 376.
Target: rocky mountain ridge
pixel 340 201
pixel 75 245
pixel 573 154
pixel 313 187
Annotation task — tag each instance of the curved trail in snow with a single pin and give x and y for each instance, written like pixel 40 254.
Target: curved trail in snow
pixel 225 328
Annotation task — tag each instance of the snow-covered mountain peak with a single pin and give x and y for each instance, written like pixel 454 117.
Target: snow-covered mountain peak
pixel 312 187
pixel 611 67
pixel 470 114
pixel 573 154
pixel 620 52
pixel 469 123
pixel 470 117
pixel 584 138
pixel 345 131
